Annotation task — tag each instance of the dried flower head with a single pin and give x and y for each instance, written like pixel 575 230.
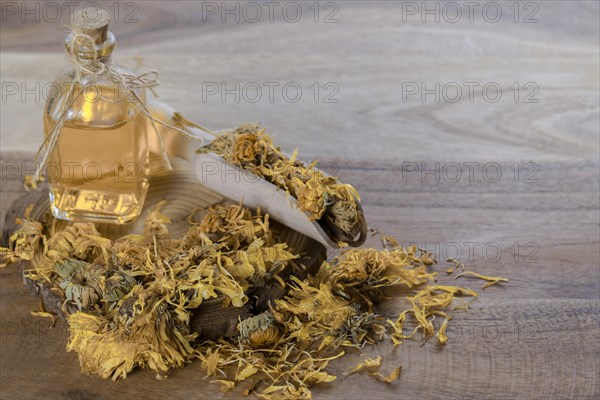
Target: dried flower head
pixel 259 330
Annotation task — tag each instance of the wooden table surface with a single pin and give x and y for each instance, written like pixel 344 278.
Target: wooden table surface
pixel 509 185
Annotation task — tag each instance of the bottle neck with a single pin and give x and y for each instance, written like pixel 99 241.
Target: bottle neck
pixel 83 50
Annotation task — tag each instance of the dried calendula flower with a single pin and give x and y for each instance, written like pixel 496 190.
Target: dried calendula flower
pixel 117 286
pixel 82 282
pixel 260 329
pixel 322 197
pixel 310 311
pixel 24 242
pixel 362 273
pixel 80 240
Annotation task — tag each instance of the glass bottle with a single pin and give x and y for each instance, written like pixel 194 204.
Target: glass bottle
pixel 98 169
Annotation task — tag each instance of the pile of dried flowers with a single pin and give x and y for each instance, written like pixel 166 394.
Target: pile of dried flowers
pixel 131 299
pixel 129 302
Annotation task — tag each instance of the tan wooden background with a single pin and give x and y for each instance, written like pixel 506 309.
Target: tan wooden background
pixel 536 337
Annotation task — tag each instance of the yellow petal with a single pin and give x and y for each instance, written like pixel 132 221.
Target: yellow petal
pixel 368 363
pixel 492 280
pixel 395 374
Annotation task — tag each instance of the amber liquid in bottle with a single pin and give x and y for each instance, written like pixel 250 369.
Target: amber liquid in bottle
pixel 98 170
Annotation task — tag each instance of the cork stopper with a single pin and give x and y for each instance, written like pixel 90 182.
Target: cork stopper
pixel 93 23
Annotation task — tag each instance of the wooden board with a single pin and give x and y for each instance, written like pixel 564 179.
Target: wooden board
pixel 548 314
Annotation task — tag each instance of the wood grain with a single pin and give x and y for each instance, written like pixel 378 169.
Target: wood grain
pixel 535 337
pixel 369 54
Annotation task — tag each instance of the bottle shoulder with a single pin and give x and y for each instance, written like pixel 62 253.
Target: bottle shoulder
pixel 91 100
